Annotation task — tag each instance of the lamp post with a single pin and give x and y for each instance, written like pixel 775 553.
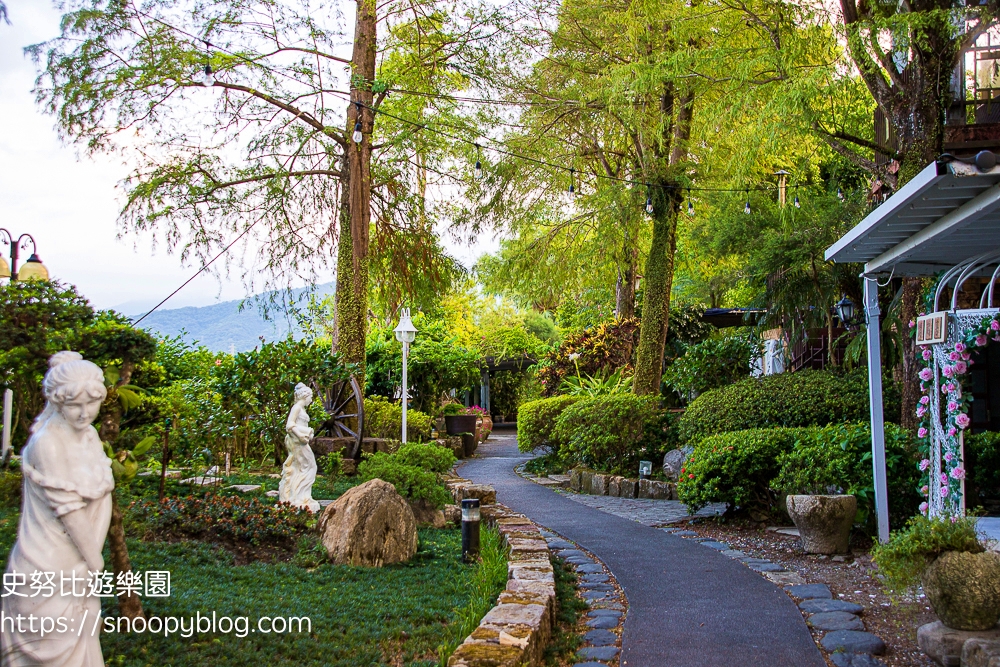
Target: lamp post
pixel 405 334
pixel 33 269
pixel 846 312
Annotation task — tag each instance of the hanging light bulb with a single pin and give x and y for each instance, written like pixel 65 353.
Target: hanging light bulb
pixel 478 173
pixel 746 209
pixel 840 194
pixel 358 136
pixel 572 183
pixel 690 204
pixel 796 202
pixel 208 78
pixel 649 203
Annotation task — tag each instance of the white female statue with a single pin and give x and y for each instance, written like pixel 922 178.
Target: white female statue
pixel 299 472
pixel 65 514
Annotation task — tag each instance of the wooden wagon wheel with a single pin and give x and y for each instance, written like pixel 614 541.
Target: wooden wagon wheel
pixel 345 408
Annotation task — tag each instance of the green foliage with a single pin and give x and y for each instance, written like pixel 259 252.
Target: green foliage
pixel 503 342
pixel 615 384
pixel 710 364
pixel 803 398
pixel 902 560
pixel 603 432
pixel 541 326
pixel 735 468
pixel 602 350
pixel 10 489
pixel 384 419
pixel 982 468
pixel 331 465
pixel 536 422
pixel 213 517
pixel 510 389
pixel 411 482
pixel 428 457
pixel 487 583
pixel 452 409
pixel 569 608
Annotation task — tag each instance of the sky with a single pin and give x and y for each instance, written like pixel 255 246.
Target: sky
pixel 69 203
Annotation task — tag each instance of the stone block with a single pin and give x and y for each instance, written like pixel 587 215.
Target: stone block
pixel 574 479
pixel 561 480
pixel 811 591
pixel 454 443
pixel 486 494
pixel 835 620
pixel 586 481
pixel 476 654
pixel 615 485
pixel 852 641
pixel 599 485
pixel 944 645
pixel 981 653
pixel 818 606
pixel 645 488
pixel 629 488
pixel 673 461
pixel 324 446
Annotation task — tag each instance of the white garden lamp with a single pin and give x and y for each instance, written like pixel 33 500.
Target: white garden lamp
pixel 405 334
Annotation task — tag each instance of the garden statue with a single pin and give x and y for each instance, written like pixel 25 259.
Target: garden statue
pixel 299 471
pixel 66 511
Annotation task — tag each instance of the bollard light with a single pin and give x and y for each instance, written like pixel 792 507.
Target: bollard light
pixel 470 529
pixel 645 469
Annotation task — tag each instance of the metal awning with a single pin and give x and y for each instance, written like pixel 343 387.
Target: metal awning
pixel 949 212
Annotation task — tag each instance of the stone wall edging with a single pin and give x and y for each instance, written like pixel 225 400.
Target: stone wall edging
pixel 516 630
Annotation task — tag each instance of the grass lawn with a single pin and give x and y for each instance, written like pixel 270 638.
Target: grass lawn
pixel 395 615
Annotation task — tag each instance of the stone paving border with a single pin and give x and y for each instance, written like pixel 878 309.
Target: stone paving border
pixel 605 597
pixel 844 639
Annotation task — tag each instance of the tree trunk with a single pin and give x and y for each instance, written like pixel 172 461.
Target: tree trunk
pixel 355 218
pixel 657 282
pixel 129 605
pixel 625 291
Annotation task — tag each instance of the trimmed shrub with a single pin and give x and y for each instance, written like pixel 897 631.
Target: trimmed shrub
pixel 752 470
pixel 982 469
pixel 384 419
pixel 838 458
pixel 803 398
pixel 433 458
pixel 710 364
pixel 536 422
pixel 411 482
pixel 604 432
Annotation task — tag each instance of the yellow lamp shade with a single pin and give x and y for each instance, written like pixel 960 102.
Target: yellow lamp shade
pixel 4 268
pixel 33 269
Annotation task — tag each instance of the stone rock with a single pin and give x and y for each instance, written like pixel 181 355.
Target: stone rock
pixel 599 484
pixel 426 514
pixel 855 660
pixel 202 481
pixel 604 622
pixel 785 578
pixel 590 664
pixel 981 653
pixel 824 522
pixel 615 485
pixel 819 606
pixel 597 613
pixel 348 467
pixel 485 493
pixel 599 637
pixel 370 525
pixel 586 481
pixel 561 480
pixel 673 461
pixel 324 446
pixel 598 653
pixel 810 591
pixel 454 443
pixel 964 589
pixel 244 488
pixel 272 494
pixel 629 488
pixel 590 568
pixel 452 514
pixel 765 567
pixel 574 479
pixel 718 546
pixel 835 620
pixel 852 641
pixel 654 490
pixel 944 644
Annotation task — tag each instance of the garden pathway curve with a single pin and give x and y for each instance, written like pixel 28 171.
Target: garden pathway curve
pixel 688 606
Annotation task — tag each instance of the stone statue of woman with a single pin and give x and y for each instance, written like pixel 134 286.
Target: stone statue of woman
pixel 65 514
pixel 299 472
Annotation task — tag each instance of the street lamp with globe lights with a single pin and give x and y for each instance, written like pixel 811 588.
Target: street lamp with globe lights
pixel 33 269
pixel 405 334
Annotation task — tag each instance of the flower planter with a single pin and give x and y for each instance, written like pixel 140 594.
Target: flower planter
pixel 964 589
pixel 487 428
pixel 824 522
pixel 459 424
pixel 469 444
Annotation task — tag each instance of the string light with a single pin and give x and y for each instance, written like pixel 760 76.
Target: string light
pixel 840 194
pixel 358 136
pixel 746 209
pixel 690 204
pixel 649 202
pixel 478 173
pixel 208 77
pixel 796 202
pixel 572 182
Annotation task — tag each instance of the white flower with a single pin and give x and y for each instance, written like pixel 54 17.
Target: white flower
pixel 574 356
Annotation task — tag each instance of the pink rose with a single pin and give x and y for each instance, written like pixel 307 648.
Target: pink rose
pixel 924 489
pixel 962 420
pixel 960 347
pixel 952 406
pixel 927 354
pixel 948 371
pixel 926 374
pixel 994 325
pixel 958 473
pixel 923 508
pixel 925 400
pixel 925 464
pixel 922 314
pixel 921 432
pixel 950 386
pixel 981 340
pixel 944 478
pixel 912 324
pixel 966 356
pixel 948 457
pixel 944 491
pixel 953 356
pixel 952 431
pixel 921 411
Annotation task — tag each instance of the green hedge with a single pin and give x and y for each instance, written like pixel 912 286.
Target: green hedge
pixel 803 398
pixel 384 419
pixel 536 422
pixel 429 457
pixel 607 432
pixel 752 470
pixel 411 482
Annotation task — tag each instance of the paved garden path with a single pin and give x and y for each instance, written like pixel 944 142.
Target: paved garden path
pixel 688 606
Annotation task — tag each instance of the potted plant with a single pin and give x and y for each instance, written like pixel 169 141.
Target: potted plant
pixel 457 421
pixel 483 427
pixel 816 504
pixel 960 577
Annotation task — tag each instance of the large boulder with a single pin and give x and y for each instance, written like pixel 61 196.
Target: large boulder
pixel 673 461
pixel 824 522
pixel 964 589
pixel 370 525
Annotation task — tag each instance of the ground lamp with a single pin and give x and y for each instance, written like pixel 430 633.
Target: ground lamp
pixel 470 529
pixel 33 269
pixel 645 469
pixel 405 334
